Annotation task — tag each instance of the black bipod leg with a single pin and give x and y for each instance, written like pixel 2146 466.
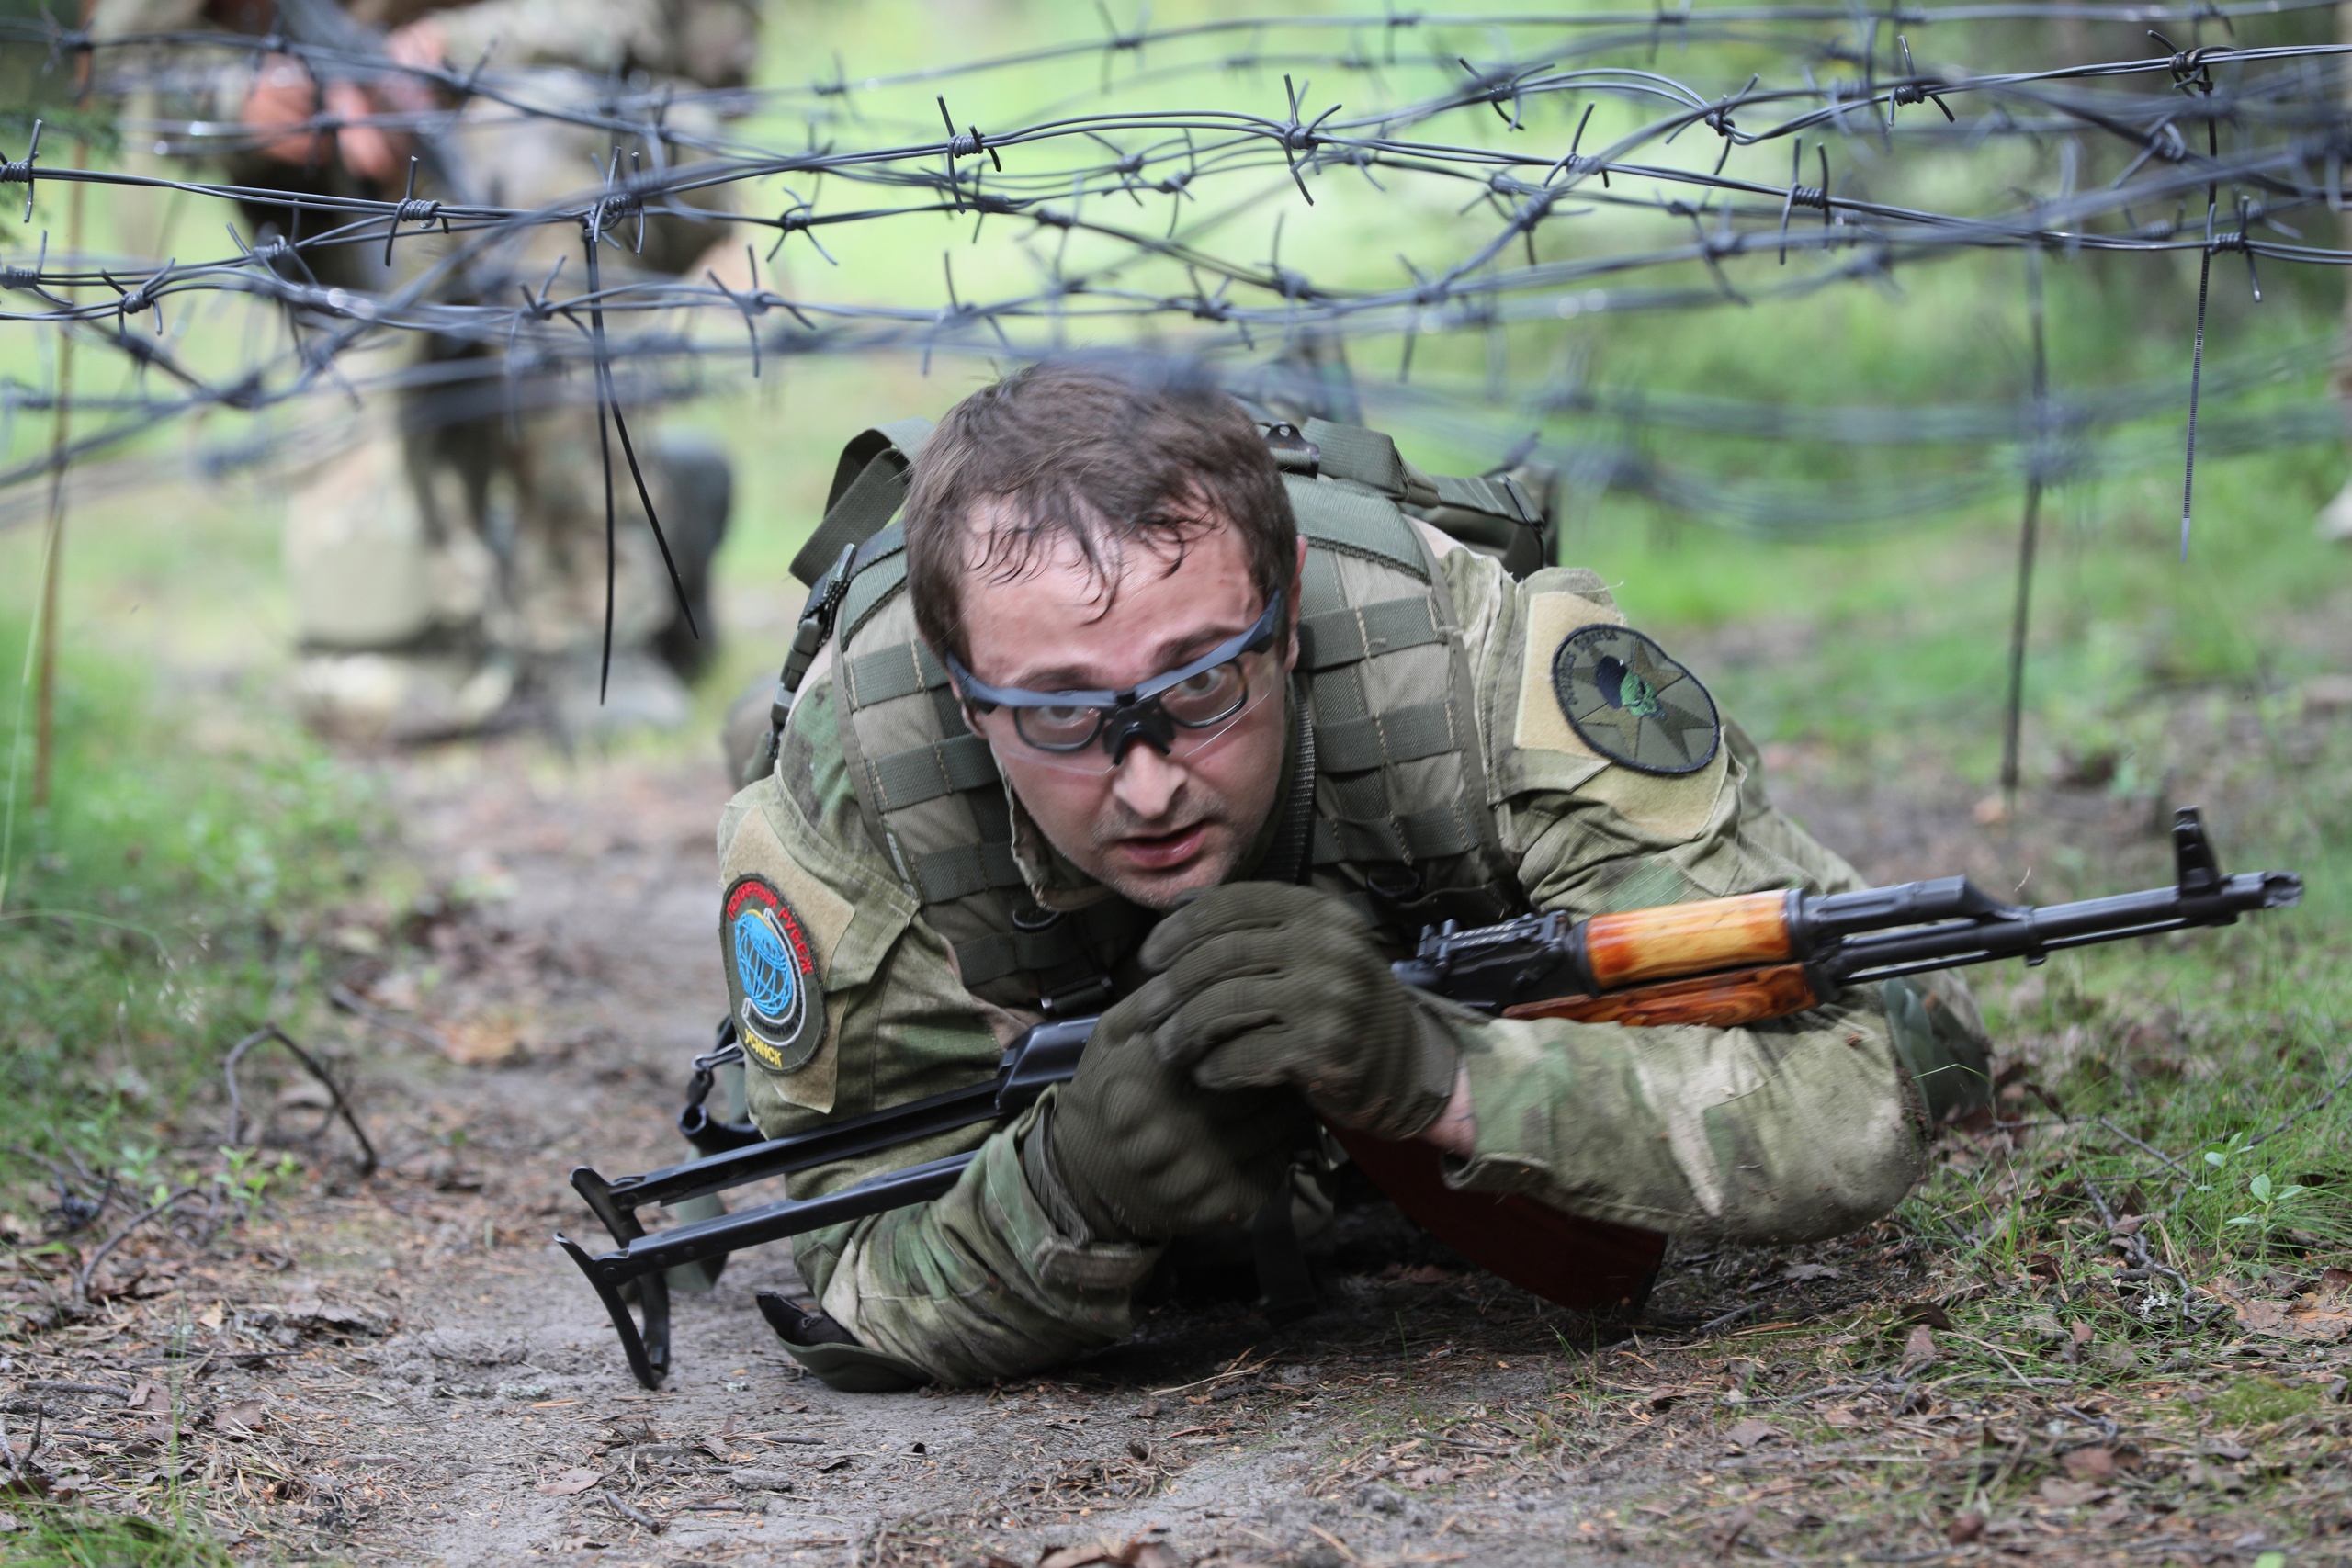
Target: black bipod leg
pixel 647 1346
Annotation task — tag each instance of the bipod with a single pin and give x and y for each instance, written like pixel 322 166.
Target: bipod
pixel 1046 1056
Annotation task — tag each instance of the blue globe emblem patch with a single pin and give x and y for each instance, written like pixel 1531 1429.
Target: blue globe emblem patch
pixel 771 982
pixel 780 1017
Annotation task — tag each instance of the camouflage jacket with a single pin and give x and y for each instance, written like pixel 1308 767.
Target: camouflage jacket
pixel 1786 1130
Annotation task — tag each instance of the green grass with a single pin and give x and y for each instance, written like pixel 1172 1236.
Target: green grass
pixel 55 1537
pixel 161 905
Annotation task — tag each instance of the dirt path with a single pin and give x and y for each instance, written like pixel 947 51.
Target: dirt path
pixel 401 1369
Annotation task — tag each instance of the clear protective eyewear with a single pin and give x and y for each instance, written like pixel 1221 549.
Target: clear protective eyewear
pixel 1185 708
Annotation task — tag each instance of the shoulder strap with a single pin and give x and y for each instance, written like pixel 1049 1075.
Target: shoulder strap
pixel 870 484
pixel 930 797
pixel 1400 791
pixel 1493 514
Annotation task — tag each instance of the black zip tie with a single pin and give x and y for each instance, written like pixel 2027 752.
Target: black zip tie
pixel 2196 355
pixel 608 403
pixel 2028 537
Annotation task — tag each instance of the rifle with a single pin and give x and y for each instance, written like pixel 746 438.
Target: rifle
pixel 1719 962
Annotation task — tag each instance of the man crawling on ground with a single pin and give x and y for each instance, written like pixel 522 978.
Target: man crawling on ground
pixel 1125 716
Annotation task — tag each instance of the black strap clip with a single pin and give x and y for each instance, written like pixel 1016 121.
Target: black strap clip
pixel 1294 452
pixel 816 625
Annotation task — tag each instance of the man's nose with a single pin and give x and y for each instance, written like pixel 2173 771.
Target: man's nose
pixel 1146 783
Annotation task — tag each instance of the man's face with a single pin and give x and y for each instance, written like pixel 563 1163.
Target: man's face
pixel 1152 826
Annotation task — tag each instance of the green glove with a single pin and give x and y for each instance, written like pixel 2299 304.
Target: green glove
pixel 1132 1149
pixel 1261 983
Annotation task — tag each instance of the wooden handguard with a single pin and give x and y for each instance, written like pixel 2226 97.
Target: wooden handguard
pixel 1719 1001
pixel 1704 939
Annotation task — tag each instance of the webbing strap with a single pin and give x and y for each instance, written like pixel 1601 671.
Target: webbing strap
pixel 1499 496
pixel 1000 953
pixel 926 772
pixel 1350 521
pixel 869 483
pixel 1344 637
pixel 1433 834
pixel 1399 735
pixel 889 672
pixel 873 583
pixel 1362 457
pixel 964 869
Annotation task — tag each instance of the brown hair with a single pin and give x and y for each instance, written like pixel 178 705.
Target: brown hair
pixel 1104 455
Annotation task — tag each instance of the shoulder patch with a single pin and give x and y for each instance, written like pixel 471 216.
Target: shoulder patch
pixel 781 1018
pixel 1631 704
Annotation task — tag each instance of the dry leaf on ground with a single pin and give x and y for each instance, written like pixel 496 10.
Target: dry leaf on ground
pixel 1136 1553
pixel 2090 1464
pixel 1750 1432
pixel 2317 1316
pixel 2061 1493
pixel 244 1415
pixel 571 1484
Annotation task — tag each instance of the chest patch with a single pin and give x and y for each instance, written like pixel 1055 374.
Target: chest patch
pixel 1630 703
pixel 781 1018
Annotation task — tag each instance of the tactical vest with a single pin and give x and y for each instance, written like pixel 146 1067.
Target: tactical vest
pixel 1385 723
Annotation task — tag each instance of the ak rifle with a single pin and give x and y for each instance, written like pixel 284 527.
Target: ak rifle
pixel 1720 961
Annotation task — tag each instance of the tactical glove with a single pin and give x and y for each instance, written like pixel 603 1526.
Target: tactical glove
pixel 1261 983
pixel 1132 1149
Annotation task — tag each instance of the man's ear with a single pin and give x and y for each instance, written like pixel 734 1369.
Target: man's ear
pixel 1297 576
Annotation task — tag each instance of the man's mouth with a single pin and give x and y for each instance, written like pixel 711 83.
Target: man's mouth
pixel 1164 851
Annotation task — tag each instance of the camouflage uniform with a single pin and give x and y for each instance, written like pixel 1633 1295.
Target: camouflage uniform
pixel 457 545
pixel 1786 1131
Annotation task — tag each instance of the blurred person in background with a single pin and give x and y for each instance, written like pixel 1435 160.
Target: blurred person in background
pixel 449 566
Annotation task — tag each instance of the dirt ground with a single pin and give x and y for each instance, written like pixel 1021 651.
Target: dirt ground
pixel 401 1369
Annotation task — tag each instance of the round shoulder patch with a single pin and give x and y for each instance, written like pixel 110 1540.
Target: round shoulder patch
pixel 781 1017
pixel 1629 701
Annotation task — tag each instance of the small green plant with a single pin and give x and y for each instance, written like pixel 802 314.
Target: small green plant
pixel 2272 1203
pixel 139 1171
pixel 245 1179
pixel 2218 1160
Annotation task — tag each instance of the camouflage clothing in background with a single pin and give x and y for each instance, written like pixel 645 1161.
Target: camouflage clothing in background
pixel 452 551
pixel 1785 1131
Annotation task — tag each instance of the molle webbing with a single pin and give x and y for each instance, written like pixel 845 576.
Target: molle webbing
pixel 932 796
pixel 1400 787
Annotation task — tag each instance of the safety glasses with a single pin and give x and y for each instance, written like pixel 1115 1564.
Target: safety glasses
pixel 1180 711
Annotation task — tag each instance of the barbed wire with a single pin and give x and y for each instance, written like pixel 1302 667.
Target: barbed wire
pixel 2211 149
